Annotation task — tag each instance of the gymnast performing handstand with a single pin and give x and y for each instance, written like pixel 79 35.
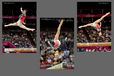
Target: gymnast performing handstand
pixel 21 22
pixel 96 25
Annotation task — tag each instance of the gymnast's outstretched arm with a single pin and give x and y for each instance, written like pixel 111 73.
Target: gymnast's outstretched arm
pixel 21 9
pixel 50 44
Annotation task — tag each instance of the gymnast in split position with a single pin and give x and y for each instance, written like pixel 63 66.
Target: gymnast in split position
pixel 21 22
pixel 96 25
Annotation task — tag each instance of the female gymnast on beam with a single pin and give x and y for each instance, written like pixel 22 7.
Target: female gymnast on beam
pixel 96 25
pixel 21 22
pixel 56 41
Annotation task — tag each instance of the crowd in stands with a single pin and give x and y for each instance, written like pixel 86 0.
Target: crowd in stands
pixel 93 36
pixel 19 38
pixel 66 52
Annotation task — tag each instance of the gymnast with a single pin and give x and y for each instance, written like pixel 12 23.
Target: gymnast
pixel 96 25
pixel 21 22
pixel 56 40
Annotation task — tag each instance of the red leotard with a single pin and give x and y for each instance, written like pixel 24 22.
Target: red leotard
pixel 98 26
pixel 57 43
pixel 22 19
